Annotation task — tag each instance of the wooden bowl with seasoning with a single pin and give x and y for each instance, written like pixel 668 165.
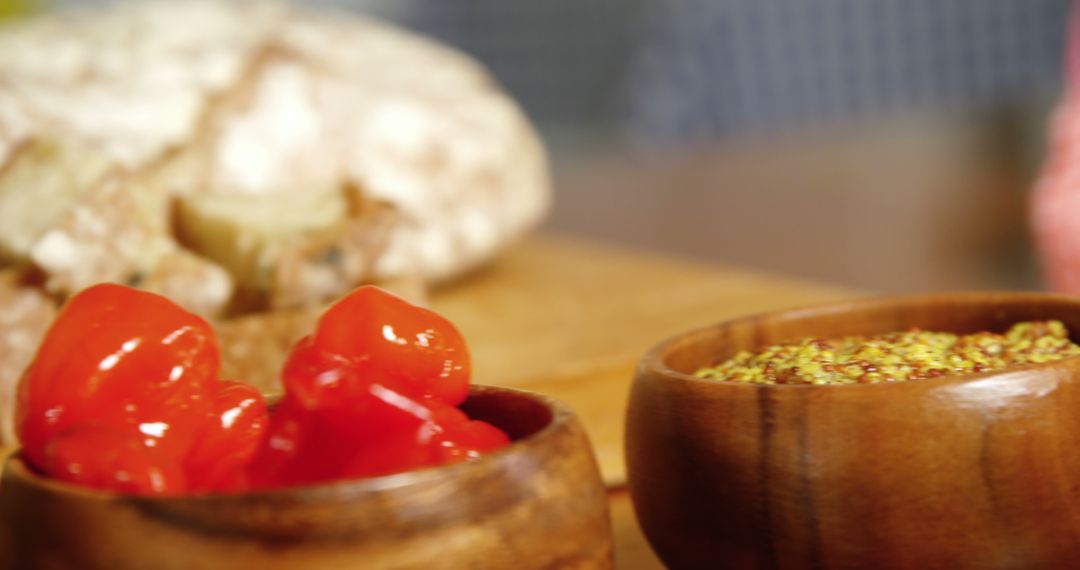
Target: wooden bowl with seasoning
pixel 960 471
pixel 539 503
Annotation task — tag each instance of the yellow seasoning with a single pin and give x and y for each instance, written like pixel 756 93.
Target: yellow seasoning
pixel 896 356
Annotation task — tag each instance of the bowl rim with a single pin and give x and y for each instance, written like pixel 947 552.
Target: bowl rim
pixel 339 490
pixel 654 360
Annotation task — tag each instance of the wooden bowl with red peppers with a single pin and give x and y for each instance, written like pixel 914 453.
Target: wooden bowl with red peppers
pixel 136 453
pixel 975 471
pixel 538 503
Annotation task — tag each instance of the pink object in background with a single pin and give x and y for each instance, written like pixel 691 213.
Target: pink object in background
pixel 1055 208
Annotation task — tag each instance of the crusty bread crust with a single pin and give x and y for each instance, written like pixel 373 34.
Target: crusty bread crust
pixel 188 101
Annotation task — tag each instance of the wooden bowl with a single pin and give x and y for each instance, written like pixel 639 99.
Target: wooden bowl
pixel 979 471
pixel 538 503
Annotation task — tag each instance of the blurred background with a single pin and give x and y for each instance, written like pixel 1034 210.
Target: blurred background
pixel 888 145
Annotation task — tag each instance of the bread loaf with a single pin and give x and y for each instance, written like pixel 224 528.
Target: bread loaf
pixel 248 158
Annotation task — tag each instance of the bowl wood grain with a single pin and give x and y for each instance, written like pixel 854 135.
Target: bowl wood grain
pixel 539 503
pixel 979 471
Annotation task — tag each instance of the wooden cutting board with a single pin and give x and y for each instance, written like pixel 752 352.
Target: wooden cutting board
pixel 570 319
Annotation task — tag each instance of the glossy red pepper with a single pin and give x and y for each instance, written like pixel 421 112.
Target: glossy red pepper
pixel 277 461
pixel 384 339
pixel 118 358
pixel 309 446
pixel 124 395
pixel 345 394
pixel 462 439
pixel 303 448
pixel 229 438
pixel 108 459
pixel 371 392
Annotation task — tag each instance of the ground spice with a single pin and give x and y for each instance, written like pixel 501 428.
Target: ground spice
pixel 897 356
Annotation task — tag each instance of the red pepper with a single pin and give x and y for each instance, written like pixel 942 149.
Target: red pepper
pixel 121 360
pixel 109 459
pixel 231 434
pixel 372 392
pixel 124 395
pixel 384 339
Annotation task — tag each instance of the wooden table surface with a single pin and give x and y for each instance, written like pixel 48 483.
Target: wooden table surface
pixel 570 318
